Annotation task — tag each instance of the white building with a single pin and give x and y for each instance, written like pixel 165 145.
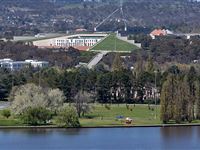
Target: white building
pixel 77 41
pixel 80 41
pixel 18 65
pixel 38 64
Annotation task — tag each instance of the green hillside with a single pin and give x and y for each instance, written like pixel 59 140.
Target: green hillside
pixel 112 43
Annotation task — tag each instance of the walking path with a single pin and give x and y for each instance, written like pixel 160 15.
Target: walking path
pixel 96 59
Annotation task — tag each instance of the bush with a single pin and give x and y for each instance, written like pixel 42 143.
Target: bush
pixel 107 107
pixel 68 117
pixel 36 116
pixel 6 113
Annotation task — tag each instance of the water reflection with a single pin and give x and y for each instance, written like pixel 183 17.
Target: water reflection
pixel 180 137
pixel 169 133
pixel 101 139
pixel 43 131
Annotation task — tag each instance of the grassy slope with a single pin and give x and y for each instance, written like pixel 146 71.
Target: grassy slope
pixel 102 116
pixel 10 121
pixel 109 44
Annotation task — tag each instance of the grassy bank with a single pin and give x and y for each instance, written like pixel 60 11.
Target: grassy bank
pixel 102 116
pixel 112 43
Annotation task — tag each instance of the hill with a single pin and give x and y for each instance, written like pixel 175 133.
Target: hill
pixel 31 17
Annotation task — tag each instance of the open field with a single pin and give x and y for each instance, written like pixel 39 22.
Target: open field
pixel 101 116
pixel 112 43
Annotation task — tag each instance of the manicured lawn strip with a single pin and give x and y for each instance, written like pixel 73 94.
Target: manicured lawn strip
pixel 140 114
pixel 10 122
pixel 109 44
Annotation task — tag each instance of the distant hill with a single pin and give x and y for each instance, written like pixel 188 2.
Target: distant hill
pixel 30 17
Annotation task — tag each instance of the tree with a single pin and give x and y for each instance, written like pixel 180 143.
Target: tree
pixel 3 92
pixel 117 63
pixel 139 66
pixel 104 84
pixel 6 113
pixel 177 99
pixel 31 96
pixel 49 77
pixel 167 97
pixel 197 99
pixel 150 65
pixel 191 79
pixel 36 116
pixel 68 117
pixel 82 100
pixel 55 99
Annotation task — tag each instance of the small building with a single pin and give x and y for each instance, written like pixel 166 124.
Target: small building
pixel 18 65
pixel 38 64
pixel 81 30
pixel 160 32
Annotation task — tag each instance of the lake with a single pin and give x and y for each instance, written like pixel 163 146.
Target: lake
pixel 154 138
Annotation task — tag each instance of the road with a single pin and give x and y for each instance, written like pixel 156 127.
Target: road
pixel 4 105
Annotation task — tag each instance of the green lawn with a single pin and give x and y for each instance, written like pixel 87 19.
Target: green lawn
pixel 108 44
pixel 100 116
pixel 10 121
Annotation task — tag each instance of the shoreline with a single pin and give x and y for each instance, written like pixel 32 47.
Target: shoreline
pixel 101 127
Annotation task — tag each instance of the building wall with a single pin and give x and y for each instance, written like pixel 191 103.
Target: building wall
pixel 72 40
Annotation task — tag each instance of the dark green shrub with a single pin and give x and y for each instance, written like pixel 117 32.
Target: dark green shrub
pixel 107 107
pixel 36 116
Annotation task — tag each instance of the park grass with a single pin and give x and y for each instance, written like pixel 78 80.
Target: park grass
pixel 9 121
pixel 100 116
pixel 108 44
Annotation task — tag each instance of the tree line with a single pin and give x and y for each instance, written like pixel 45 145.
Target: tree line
pixel 117 86
pixel 180 96
pixel 177 89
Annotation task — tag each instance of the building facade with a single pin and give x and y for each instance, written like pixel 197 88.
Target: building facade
pixel 18 65
pixel 76 41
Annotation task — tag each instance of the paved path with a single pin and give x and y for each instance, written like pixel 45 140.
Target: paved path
pixel 96 59
pixel 4 105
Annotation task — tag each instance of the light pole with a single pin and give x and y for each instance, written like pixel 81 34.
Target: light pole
pixel 39 77
pixel 155 92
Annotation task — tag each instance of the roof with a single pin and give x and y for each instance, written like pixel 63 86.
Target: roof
pixel 82 48
pixel 158 32
pixel 81 30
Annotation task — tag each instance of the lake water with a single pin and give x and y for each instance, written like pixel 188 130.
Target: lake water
pixel 168 138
